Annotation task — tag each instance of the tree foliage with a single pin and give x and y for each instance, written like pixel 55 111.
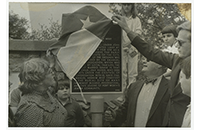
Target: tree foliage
pixel 154 17
pixel 46 32
pixel 18 27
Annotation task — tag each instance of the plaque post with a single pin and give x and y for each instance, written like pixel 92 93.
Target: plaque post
pixel 97 105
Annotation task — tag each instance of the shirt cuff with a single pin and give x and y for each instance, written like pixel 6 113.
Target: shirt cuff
pixel 132 35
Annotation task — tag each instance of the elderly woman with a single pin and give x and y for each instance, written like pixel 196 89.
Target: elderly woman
pixel 37 107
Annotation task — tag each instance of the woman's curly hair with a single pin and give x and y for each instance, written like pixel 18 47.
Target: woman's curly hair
pixel 32 73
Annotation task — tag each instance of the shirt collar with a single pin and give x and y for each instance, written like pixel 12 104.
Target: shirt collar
pixel 129 18
pixel 152 80
pixel 147 81
pixel 69 101
pixel 189 106
pixel 46 101
pixel 41 93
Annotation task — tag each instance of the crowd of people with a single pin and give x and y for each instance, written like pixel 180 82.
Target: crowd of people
pixel 178 101
pixel 160 100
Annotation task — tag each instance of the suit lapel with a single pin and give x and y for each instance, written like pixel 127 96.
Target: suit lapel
pixel 174 78
pixel 160 93
pixel 177 90
pixel 134 96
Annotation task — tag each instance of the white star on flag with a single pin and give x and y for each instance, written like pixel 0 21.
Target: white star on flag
pixel 80 38
pixel 86 23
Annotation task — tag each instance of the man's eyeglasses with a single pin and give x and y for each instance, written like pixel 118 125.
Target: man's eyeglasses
pixel 180 43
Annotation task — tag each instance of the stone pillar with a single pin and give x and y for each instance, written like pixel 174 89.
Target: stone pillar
pixel 97 106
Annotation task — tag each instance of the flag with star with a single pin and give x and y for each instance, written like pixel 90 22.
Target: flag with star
pixel 82 33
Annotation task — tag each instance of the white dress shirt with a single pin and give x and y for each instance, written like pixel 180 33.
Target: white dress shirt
pixel 144 102
pixel 187 117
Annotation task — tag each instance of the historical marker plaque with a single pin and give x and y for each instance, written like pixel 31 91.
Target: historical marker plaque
pixel 103 71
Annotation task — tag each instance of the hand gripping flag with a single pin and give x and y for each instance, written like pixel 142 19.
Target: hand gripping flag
pixel 82 33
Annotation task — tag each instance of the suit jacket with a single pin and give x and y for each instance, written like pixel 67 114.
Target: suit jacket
pixel 178 101
pixel 128 109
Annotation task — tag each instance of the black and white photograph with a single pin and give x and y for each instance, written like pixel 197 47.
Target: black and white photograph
pixel 100 64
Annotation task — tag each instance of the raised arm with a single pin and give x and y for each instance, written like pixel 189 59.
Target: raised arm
pixel 156 55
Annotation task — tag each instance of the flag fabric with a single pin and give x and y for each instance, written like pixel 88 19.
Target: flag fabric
pixel 82 33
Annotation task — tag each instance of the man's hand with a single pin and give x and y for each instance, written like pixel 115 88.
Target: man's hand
pixel 109 115
pixel 121 22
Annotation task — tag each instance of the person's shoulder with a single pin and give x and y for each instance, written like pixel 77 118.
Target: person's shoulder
pixel 74 101
pixel 28 100
pixel 76 105
pixel 136 21
pixel 16 91
pixel 25 102
pixel 136 18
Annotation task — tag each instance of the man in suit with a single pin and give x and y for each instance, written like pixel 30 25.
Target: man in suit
pixel 178 102
pixel 145 101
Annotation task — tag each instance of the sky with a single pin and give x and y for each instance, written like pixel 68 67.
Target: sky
pixel 40 13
